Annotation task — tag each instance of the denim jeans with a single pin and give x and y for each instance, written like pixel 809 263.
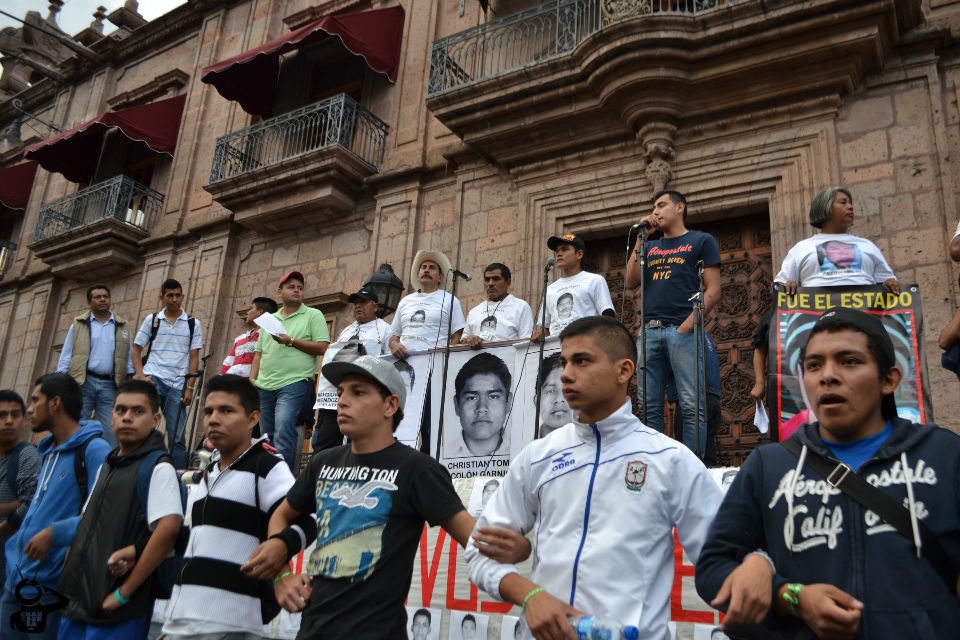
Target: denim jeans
pixel 9 606
pixel 98 395
pixel 279 414
pixel 170 404
pixel 668 350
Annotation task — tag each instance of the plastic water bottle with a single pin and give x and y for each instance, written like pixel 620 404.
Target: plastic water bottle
pixel 596 628
pixel 591 628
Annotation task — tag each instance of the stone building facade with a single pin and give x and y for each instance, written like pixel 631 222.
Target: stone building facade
pixel 502 127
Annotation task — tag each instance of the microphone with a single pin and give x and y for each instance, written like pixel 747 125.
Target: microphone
pixel 641 225
pixel 551 263
pixel 460 274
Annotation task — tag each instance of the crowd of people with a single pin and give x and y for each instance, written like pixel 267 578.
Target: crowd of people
pixel 848 529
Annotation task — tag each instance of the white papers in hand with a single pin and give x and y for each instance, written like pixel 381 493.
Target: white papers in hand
pixel 760 419
pixel 270 323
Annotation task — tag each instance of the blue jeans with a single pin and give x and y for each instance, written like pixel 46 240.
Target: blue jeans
pixel 279 415
pixel 98 395
pixel 10 606
pixel 669 350
pixel 171 400
pixel 134 629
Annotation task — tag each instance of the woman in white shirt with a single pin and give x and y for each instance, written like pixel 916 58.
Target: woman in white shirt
pixel 832 257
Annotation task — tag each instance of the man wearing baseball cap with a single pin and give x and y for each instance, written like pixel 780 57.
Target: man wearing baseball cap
pixel 284 365
pixel 367 335
pixel 422 317
pixel 576 293
pixel 371 498
pixel 849 562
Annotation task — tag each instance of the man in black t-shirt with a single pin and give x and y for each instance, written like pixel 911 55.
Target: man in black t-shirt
pixel 668 282
pixel 371 499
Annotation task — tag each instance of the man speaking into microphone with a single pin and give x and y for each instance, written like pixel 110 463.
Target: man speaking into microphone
pixel 669 281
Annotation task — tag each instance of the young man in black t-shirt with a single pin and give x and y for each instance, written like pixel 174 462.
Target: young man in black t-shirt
pixel 371 499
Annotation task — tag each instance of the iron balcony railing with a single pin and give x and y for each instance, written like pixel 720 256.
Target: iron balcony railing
pixel 335 120
pixel 536 35
pixel 121 198
pixel 6 256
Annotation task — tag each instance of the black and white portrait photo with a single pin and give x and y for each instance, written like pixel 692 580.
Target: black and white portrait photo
pixel 423 624
pixel 477 405
pixel 467 626
pixel 483 490
pixel 488 328
pixel 510 628
pixel 414 370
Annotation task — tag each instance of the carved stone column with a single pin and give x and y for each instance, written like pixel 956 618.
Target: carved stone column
pixel 656 139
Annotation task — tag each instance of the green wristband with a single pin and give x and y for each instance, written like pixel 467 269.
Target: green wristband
pixel 530 595
pixel 119 597
pixel 792 597
pixel 282 576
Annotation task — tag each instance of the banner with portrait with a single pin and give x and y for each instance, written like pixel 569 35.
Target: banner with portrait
pixel 415 371
pixel 553 410
pixel 475 410
pixel 790 327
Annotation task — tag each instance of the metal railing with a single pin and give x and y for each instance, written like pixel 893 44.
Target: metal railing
pixel 335 120
pixel 536 35
pixel 121 198
pixel 7 250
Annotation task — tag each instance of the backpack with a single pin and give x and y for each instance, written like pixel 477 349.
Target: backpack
pixel 80 468
pixel 155 327
pixel 163 579
pixel 13 468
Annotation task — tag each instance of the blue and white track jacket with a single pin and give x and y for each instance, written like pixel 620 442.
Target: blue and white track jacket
pixel 602 501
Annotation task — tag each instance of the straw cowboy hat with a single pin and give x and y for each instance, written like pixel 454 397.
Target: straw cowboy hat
pixel 434 256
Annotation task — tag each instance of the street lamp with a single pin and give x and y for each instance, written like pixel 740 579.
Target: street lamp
pixel 388 288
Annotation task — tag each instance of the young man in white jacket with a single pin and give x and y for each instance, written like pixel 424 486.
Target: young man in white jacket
pixel 602 496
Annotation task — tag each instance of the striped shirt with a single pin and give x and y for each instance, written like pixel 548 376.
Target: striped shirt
pixel 240 359
pixel 170 352
pixel 225 528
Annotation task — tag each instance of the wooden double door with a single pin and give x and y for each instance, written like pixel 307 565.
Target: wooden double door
pixel 746 274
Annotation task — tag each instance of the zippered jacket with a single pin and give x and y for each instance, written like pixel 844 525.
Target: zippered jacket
pixel 815 533
pixel 602 501
pixel 57 502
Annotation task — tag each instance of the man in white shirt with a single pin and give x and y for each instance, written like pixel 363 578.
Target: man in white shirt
pixel 577 293
pixel 366 335
pixel 421 320
pixel 502 316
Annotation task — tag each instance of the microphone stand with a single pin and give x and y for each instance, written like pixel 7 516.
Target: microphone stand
pixel 700 350
pixel 642 253
pixel 446 360
pixel 543 338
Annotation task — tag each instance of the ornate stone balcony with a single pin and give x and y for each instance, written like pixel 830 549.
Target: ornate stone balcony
pixel 576 73
pixel 302 167
pixel 96 231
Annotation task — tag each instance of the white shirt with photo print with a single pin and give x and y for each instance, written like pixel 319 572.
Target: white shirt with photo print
pixel 834 259
pixel 513 319
pixel 421 320
pixel 582 295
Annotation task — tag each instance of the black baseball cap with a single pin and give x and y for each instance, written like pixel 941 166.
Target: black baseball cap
pixel 555 241
pixel 363 294
pixel 871 325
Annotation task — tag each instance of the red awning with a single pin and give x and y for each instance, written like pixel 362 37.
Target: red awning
pixel 15 185
pixel 75 152
pixel 251 77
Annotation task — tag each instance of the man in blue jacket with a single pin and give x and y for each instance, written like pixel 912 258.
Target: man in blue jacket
pixel 35 553
pixel 842 571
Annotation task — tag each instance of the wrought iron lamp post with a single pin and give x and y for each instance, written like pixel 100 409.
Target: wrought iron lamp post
pixel 388 288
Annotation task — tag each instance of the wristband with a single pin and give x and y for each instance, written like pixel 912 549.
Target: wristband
pixel 282 576
pixel 530 595
pixel 119 597
pixel 191 388
pixel 291 539
pixel 792 597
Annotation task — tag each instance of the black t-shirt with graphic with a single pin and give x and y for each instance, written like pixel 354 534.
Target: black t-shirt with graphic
pixel 671 274
pixel 370 513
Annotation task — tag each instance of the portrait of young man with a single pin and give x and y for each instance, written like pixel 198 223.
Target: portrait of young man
pixel 481 403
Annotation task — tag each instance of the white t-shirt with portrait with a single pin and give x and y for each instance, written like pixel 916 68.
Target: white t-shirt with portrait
pixel 506 319
pixel 579 296
pixel 421 320
pixel 375 338
pixel 834 259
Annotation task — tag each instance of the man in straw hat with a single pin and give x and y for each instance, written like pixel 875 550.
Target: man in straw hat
pixel 431 307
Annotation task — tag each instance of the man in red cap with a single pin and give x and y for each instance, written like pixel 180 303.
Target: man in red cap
pixel 284 365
